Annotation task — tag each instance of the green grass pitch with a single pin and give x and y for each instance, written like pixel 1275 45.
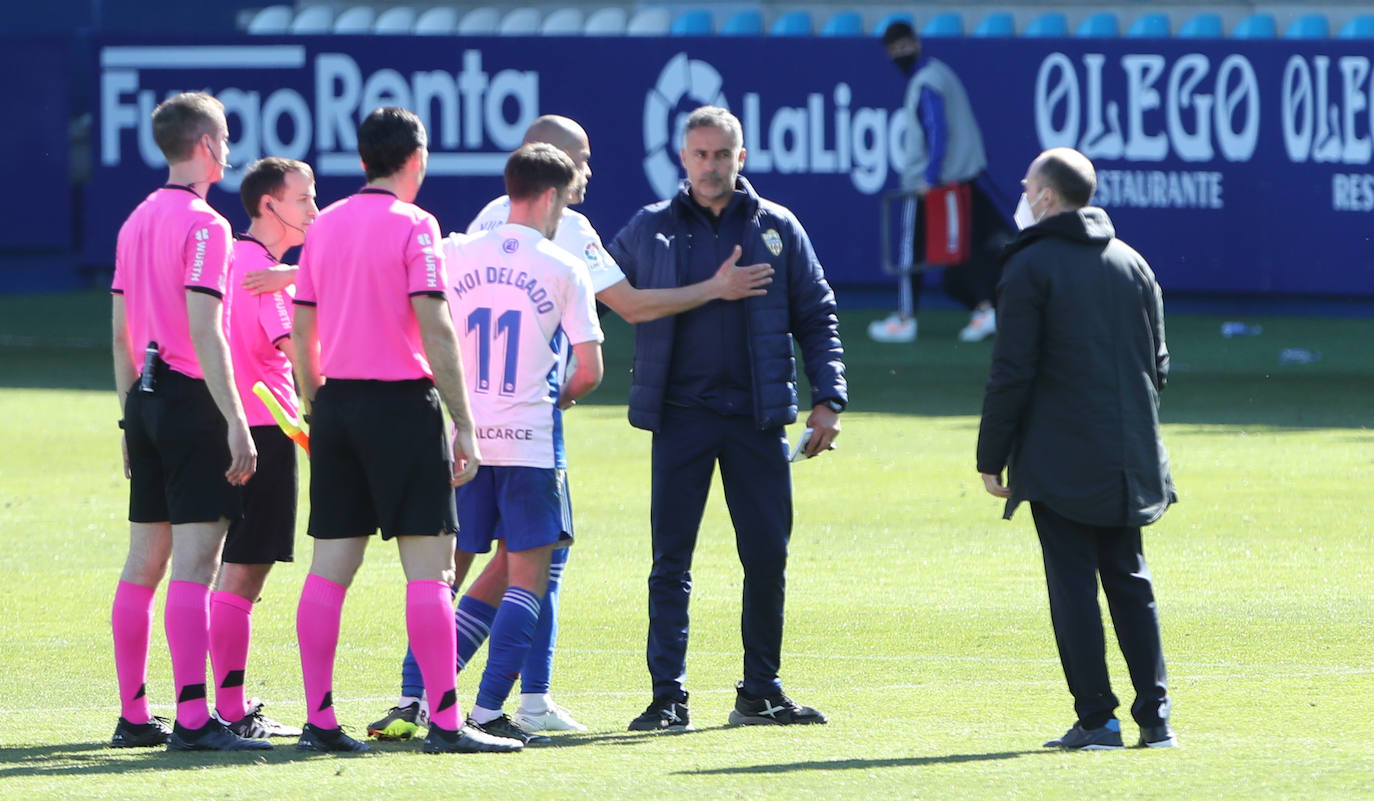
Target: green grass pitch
pixel 916 616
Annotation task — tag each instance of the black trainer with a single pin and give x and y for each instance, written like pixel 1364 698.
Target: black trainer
pixel 468 740
pixel 771 710
pixel 1160 736
pixel 213 736
pixel 664 714
pixel 141 735
pixel 256 726
pixel 1106 737
pixel 314 738
pixel 505 727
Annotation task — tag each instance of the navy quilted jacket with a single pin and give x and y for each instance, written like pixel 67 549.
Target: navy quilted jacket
pixel 799 306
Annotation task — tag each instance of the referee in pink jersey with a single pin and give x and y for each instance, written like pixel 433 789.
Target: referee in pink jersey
pixel 376 353
pixel 186 440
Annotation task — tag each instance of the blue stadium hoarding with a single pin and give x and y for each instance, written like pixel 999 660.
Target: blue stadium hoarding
pixel 1233 166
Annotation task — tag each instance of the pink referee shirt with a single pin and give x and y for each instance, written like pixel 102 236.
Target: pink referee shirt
pixel 364 258
pixel 257 325
pixel 173 242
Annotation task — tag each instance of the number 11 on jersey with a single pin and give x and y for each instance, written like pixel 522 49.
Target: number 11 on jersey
pixel 507 324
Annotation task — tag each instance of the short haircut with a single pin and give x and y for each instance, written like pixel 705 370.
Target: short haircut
pixel 1073 179
pixel 897 31
pixel 268 177
pixel 180 121
pixel 715 117
pixel 536 168
pixel 387 138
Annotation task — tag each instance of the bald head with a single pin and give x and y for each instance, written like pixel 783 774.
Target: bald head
pixel 1067 173
pixel 566 135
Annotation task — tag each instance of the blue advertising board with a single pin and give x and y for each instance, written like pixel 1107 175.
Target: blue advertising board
pixel 1233 166
pixel 35 76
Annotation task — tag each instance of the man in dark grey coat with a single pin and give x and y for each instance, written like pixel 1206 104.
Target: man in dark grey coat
pixel 1071 412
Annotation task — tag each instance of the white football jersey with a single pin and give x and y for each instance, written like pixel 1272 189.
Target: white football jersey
pixel 517 301
pixel 575 234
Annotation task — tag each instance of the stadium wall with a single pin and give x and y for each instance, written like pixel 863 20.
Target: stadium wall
pixel 1234 166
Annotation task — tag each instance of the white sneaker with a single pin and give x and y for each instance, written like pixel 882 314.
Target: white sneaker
pixel 553 718
pixel 893 329
pixel 981 325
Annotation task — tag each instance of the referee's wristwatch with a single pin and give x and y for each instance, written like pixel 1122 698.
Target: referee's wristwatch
pixel 833 405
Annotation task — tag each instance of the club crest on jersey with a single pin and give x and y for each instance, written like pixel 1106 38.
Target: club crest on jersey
pixel 510 245
pixel 773 241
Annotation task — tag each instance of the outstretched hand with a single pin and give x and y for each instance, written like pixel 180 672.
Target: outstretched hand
pixel 270 279
pixel 735 282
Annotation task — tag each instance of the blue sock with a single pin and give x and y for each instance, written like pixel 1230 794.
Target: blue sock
pixel 511 634
pixel 473 619
pixel 534 678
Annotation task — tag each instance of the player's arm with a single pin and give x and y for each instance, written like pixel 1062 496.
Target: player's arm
pixel 305 342
pixel 124 370
pixel 731 282
pixel 270 279
pixel 205 313
pixel 586 376
pixel 441 349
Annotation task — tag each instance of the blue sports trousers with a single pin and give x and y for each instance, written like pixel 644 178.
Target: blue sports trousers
pixel 758 491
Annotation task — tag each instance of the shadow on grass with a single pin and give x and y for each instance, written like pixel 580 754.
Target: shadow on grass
pixel 88 758
pixel 860 764
pixel 625 738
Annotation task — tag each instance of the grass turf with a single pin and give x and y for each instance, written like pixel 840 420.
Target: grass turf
pixel 916 617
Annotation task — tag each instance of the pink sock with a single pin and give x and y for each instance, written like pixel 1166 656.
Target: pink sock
pixel 317 630
pixel 434 641
pixel 131 620
pixel 187 622
pixel 231 628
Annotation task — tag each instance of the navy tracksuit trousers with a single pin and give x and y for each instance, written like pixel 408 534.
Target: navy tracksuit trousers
pixel 1076 555
pixel 758 491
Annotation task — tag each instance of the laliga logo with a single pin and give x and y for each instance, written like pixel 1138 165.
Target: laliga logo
pixel 682 79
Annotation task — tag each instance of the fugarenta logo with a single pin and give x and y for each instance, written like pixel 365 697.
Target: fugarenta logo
pixel 683 85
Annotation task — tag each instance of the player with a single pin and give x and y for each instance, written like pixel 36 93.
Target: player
pixel 375 353
pixel 186 441
pixel 575 234
pixel 279 196
pixel 518 301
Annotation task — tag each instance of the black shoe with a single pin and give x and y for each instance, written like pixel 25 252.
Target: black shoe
pixel 468 740
pixel 1160 736
pixel 141 735
pixel 400 723
pixel 771 710
pixel 314 738
pixel 505 727
pixel 664 714
pixel 256 726
pixel 213 736
pixel 1105 738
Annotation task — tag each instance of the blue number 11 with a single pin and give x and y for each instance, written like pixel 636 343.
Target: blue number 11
pixel 509 325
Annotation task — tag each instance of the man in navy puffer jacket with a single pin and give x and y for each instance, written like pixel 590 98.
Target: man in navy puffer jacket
pixel 717 384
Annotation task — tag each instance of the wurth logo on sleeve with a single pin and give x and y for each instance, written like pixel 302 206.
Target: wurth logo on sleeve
pixel 198 262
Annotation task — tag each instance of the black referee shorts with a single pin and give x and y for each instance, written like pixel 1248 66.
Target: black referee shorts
pixel 178 453
pixel 379 458
pixel 267 531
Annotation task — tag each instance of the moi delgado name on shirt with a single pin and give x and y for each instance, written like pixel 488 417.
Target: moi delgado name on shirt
pixel 497 432
pixel 521 280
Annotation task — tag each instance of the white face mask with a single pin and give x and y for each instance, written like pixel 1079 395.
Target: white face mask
pixel 1024 217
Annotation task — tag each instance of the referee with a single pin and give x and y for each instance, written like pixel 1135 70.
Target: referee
pixel 186 440
pixel 376 351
